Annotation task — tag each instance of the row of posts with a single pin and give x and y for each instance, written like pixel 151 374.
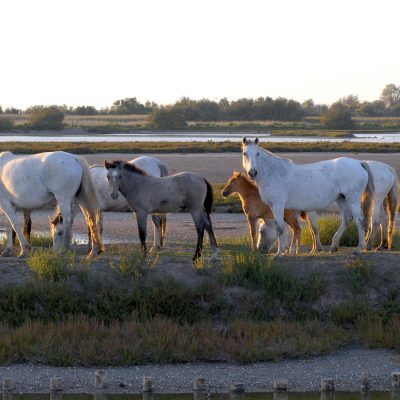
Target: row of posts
pixel 200 385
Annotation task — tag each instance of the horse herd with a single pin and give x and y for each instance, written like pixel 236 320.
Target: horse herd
pixel 275 191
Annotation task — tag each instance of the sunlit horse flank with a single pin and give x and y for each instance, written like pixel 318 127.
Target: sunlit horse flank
pixel 380 207
pixel 152 166
pixel 146 194
pixel 255 209
pixel 309 187
pixel 40 180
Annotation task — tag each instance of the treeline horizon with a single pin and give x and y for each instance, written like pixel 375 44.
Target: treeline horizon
pixel 261 108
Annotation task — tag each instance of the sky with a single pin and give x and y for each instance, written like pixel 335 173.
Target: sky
pixel 93 52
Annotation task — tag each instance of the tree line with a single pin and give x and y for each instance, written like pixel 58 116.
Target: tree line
pixel 245 109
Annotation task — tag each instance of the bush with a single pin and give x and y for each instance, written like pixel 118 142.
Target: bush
pixel 337 117
pixel 167 118
pixel 46 118
pixel 6 123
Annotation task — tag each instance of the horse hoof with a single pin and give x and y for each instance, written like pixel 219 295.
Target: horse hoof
pixel 6 253
pixel 333 249
pixel 214 256
pixel 356 252
pixel 22 255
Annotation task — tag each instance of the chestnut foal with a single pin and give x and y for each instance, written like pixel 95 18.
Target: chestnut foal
pixel 256 209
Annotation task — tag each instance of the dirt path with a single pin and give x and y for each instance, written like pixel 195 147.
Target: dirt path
pixel 219 167
pixel 345 366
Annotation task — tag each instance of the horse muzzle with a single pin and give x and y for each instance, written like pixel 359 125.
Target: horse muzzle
pixel 252 173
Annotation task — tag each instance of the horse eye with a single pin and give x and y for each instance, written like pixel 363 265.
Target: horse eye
pixel 258 154
pixel 245 154
pixel 60 233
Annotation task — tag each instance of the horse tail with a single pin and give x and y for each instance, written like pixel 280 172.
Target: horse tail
pixel 89 201
pixel 367 198
pixel 208 201
pixel 393 204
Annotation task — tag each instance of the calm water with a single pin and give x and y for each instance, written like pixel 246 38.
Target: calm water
pixel 199 137
pixel 254 396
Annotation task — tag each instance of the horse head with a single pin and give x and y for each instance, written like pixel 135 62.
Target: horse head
pixel 114 173
pixel 250 154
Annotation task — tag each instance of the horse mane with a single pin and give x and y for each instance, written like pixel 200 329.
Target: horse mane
pixel 128 166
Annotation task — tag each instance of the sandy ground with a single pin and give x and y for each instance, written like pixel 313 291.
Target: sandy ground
pixel 218 167
pixel 345 365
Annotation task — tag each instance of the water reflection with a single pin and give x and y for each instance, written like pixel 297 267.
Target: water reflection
pixel 394 395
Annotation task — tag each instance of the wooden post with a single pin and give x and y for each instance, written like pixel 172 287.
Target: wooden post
pixel 199 384
pixel 395 380
pixel 327 385
pixel 56 385
pixel 8 388
pixel 365 382
pixel 236 388
pixel 100 379
pixel 147 384
pixel 281 385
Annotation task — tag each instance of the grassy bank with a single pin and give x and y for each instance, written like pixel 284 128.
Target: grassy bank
pixel 122 309
pixel 192 147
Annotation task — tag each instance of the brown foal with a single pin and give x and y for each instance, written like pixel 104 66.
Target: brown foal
pixel 255 209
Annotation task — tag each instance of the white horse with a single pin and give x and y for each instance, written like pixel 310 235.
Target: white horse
pixel 152 166
pixel 309 187
pixel 380 207
pixel 36 181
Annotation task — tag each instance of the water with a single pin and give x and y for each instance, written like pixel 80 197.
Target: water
pixel 393 137
pixel 252 396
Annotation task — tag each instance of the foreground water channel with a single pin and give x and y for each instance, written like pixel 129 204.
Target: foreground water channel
pixel 200 396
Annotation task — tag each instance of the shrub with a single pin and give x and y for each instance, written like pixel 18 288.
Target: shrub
pixel 167 118
pixel 337 117
pixel 6 123
pixel 46 118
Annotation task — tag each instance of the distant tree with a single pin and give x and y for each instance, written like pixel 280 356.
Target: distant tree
pixel 390 96
pixel 337 117
pixel 12 110
pixel 128 106
pixel 167 117
pixel 311 109
pixel 371 109
pixel 85 110
pixel 1 110
pixel 351 102
pixel 46 117
pixel 6 123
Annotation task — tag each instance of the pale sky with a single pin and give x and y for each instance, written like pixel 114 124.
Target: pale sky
pixel 93 52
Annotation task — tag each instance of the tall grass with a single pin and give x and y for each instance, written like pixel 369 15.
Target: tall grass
pixel 87 341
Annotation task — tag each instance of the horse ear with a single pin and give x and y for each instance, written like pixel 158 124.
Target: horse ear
pixel 107 164
pixel 244 140
pixel 256 140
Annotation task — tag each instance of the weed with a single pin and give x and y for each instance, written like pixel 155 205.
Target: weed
pixel 50 265
pixel 360 275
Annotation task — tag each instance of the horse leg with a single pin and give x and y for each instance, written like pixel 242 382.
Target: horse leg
pixel 157 231
pixel 141 217
pixel 213 241
pixel 278 212
pixel 384 228
pixel 27 225
pixel 9 210
pixel 198 219
pixel 375 222
pixel 10 241
pixel 359 220
pixel 314 230
pixel 65 208
pixel 346 216
pixel 253 230
pixel 163 219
